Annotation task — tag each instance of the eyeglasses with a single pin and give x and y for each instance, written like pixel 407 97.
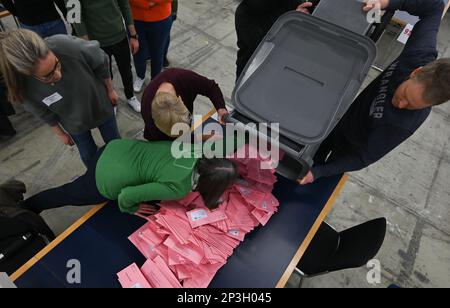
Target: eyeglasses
pixel 51 75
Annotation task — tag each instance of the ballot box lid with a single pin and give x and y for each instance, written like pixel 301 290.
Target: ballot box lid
pixel 348 14
pixel 304 76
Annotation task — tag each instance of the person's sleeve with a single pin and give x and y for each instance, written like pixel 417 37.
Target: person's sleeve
pixel 80 28
pixel 208 88
pixel 96 58
pixel 382 141
pixel 42 113
pixel 424 34
pixel 131 197
pixel 9 5
pixel 125 9
pixel 175 7
pixel 61 4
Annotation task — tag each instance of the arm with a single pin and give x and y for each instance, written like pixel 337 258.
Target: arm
pixel 65 137
pixel 424 35
pixel 96 58
pixel 206 87
pixel 125 9
pixel 131 197
pixel 47 116
pixel 210 89
pixel 112 94
pixel 174 7
pixel 382 141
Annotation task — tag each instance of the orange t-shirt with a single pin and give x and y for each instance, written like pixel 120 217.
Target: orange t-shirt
pixel 143 12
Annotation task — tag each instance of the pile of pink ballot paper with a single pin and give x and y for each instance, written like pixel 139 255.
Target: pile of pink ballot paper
pixel 185 244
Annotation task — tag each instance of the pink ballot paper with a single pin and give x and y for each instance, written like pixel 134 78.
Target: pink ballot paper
pixel 203 216
pixel 186 243
pixel 132 278
pixel 190 251
pixel 159 274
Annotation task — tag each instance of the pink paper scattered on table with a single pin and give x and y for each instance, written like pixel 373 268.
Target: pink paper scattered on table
pixel 186 244
pixel 159 274
pixel 132 278
pixel 203 216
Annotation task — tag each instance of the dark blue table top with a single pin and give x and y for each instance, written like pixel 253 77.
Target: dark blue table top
pixel 102 247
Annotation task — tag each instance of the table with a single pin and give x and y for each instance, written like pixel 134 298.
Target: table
pixel 266 259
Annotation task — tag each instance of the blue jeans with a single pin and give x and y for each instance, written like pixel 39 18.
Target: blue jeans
pixel 48 29
pixel 82 191
pixel 153 37
pixel 166 51
pixel 86 144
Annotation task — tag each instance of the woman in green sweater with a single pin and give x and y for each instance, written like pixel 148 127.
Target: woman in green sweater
pixel 136 172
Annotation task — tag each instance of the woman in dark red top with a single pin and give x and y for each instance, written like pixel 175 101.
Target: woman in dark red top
pixel 184 84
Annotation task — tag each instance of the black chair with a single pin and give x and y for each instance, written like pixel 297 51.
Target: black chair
pixel 332 251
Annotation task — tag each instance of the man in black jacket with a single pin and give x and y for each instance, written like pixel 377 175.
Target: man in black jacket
pixel 394 106
pixel 254 18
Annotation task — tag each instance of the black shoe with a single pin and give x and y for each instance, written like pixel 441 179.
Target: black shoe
pixel 6 129
pixel 166 63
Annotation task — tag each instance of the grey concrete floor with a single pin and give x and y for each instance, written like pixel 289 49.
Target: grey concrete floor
pixel 410 187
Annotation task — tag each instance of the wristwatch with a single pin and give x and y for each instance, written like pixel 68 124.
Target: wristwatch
pixel 136 37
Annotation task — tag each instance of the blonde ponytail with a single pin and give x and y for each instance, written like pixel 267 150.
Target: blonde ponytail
pixel 20 51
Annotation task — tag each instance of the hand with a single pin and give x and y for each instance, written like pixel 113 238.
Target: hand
pixel 146 210
pixel 222 113
pixel 66 139
pixel 303 8
pixel 373 4
pixel 134 46
pixel 113 97
pixel 308 179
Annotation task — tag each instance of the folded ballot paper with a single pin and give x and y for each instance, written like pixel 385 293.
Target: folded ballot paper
pixel 132 278
pixel 186 243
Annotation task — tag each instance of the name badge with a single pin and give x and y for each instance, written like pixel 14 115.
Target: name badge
pixel 52 99
pixel 197 215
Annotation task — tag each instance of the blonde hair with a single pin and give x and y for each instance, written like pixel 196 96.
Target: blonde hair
pixel 168 110
pixel 20 51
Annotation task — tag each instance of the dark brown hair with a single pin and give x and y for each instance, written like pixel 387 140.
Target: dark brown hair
pixel 436 77
pixel 216 176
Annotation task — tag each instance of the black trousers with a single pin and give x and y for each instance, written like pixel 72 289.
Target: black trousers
pixel 253 22
pixel 250 31
pixel 6 128
pixel 82 191
pixel 122 55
